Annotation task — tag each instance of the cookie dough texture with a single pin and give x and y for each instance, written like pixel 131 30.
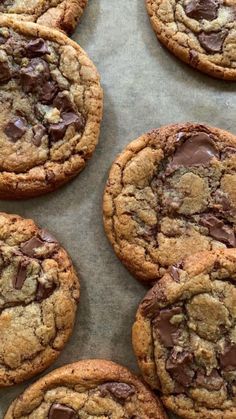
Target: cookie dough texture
pixel 200 32
pixel 87 389
pixel 171 193
pixel 185 336
pixel 50 106
pixel 39 292
pixel 60 14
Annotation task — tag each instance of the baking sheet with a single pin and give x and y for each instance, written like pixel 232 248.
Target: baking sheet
pixel 145 87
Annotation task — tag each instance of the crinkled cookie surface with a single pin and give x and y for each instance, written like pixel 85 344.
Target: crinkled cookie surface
pixel 39 292
pixel 200 32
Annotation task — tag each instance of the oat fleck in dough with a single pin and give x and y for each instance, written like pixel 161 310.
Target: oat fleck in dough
pixel 171 193
pixel 185 336
pixel 87 389
pixel 50 109
pixel 39 292
pixel 200 32
pixel 60 14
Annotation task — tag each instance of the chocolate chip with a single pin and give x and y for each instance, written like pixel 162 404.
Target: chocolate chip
pixel 63 102
pixel 57 131
pixel 218 230
pixel 34 75
pixel 211 382
pixel 44 292
pixel 228 357
pixel 29 247
pixel 16 128
pixel 202 9
pixel 198 149
pixel 212 42
pixel 47 237
pixel 179 365
pixel 5 71
pixel 164 326
pixel 150 304
pixel 120 391
pixel 39 131
pixel 20 277
pixel 48 91
pixel 60 411
pixel 174 272
pixel 37 48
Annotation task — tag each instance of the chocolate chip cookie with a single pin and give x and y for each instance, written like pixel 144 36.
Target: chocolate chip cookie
pixel 171 193
pixel 60 14
pixel 185 336
pixel 50 107
pixel 87 389
pixel 39 292
pixel 200 32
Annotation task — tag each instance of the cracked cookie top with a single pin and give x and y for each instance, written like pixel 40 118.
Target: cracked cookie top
pixel 171 193
pixel 60 14
pixel 87 389
pixel 200 32
pixel 39 292
pixel 51 106
pixel 185 336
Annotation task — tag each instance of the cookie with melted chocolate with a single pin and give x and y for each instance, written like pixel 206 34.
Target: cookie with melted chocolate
pixel 39 292
pixel 171 193
pixel 199 32
pixel 185 341
pixel 88 389
pixel 51 108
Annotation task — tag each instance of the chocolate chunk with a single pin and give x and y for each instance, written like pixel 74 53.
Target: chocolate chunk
pixel 34 75
pixel 48 91
pixel 164 326
pixel 211 382
pixel 39 131
pixel 44 292
pixel 57 131
pixel 60 411
pixel 29 247
pixel 202 9
pixel 212 42
pixel 5 71
pixel 218 230
pixel 198 149
pixel 15 128
pixel 120 391
pixel 47 237
pixel 179 365
pixel 37 48
pixel 20 277
pixel 228 357
pixel 63 102
pixel 174 272
pixel 150 304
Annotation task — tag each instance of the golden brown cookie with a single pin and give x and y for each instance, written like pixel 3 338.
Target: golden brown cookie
pixel 200 32
pixel 60 14
pixel 39 292
pixel 184 336
pixel 87 389
pixel 171 193
pixel 50 109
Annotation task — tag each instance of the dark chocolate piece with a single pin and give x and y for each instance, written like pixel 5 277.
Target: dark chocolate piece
pixel 228 357
pixel 179 365
pixel 16 128
pixel 202 9
pixel 211 382
pixel 218 230
pixel 34 75
pixel 212 42
pixel 29 247
pixel 61 411
pixel 164 326
pixel 43 292
pixel 37 48
pixel 48 92
pixel 120 391
pixel 21 275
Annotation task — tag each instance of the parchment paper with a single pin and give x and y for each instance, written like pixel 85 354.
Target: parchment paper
pixel 145 87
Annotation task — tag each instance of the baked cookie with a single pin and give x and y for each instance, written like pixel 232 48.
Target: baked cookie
pixel 39 292
pixel 60 14
pixel 171 193
pixel 50 109
pixel 200 32
pixel 185 336
pixel 87 389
